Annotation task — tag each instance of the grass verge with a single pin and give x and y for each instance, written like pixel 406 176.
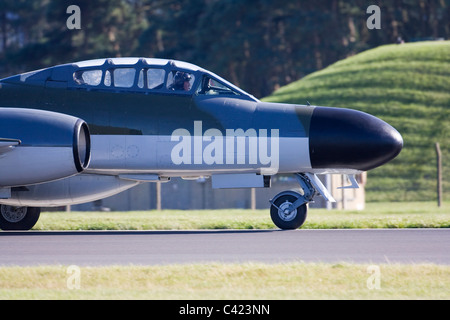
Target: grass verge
pixel 229 281
pixel 376 215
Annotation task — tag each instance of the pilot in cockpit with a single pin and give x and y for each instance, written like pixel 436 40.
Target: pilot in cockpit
pixel 181 81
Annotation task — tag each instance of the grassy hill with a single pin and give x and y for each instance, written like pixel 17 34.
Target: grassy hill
pixel 406 85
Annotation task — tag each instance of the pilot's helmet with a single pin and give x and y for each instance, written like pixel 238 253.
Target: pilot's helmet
pixel 180 78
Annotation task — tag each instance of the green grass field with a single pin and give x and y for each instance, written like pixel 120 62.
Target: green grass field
pixel 407 86
pixel 229 281
pixel 376 215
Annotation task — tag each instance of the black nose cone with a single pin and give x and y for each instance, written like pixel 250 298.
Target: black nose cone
pixel 350 139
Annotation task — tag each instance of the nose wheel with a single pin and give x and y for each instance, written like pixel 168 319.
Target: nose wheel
pixel 284 214
pixel 288 209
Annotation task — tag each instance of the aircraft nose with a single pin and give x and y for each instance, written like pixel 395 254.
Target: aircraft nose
pixel 350 139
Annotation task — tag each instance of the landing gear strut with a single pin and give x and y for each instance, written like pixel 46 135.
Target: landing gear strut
pixel 18 218
pixel 288 209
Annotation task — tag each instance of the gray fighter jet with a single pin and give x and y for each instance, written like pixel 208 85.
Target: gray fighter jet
pixel 83 131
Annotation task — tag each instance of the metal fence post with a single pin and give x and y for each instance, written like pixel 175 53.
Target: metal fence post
pixel 439 174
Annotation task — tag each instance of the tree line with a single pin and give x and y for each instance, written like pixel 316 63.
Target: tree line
pixel 258 45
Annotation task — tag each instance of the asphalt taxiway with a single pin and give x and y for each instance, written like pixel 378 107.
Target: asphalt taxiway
pixel 269 246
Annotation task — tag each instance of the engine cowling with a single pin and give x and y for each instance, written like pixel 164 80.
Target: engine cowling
pixel 50 146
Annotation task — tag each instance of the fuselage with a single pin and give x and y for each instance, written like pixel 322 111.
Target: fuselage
pixel 140 123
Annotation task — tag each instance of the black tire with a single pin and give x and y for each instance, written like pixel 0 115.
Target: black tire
pixel 293 220
pixel 18 218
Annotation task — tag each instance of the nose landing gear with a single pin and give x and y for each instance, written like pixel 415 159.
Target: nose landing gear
pixel 288 209
pixel 283 213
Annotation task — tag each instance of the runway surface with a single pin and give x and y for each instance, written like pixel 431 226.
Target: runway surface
pixel 269 246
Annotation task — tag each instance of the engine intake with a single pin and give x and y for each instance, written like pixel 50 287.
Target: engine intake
pixel 52 146
pixel 81 145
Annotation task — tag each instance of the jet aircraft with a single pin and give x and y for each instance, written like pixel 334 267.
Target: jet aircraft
pixel 87 130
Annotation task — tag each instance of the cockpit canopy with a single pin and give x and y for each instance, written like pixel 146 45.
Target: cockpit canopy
pixel 142 75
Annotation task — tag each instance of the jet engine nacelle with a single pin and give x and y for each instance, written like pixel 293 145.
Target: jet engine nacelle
pixel 40 146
